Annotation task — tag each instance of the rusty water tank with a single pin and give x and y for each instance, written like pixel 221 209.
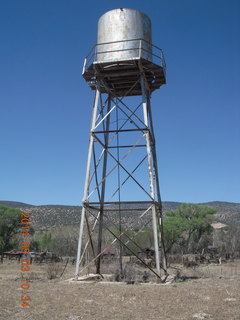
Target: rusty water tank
pixel 119 32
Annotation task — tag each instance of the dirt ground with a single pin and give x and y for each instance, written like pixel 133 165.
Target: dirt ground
pixel 205 298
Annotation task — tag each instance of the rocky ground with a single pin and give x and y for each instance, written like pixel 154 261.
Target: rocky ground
pixel 211 297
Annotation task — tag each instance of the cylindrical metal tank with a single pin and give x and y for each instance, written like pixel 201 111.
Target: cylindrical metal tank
pixel 117 31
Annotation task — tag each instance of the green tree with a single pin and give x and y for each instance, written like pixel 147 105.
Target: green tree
pixel 186 226
pixel 34 245
pixel 10 220
pixel 46 241
pixel 174 229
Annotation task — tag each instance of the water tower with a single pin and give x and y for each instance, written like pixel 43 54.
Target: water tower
pixel 121 193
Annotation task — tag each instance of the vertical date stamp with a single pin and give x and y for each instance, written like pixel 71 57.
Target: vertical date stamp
pixel 25 260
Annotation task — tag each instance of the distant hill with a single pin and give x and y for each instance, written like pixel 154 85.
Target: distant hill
pixel 50 216
pixel 228 212
pixel 14 204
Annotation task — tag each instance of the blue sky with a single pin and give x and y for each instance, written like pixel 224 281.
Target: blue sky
pixel 45 105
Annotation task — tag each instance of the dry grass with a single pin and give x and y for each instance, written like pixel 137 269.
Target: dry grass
pixel 207 298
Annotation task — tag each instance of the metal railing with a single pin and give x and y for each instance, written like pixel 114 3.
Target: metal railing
pixel 141 49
